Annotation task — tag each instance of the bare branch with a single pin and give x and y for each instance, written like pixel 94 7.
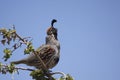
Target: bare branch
pixel 63 74
pixel 3 66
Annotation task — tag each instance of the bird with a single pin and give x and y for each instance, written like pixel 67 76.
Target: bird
pixel 49 52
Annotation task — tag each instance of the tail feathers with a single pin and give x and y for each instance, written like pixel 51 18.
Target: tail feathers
pixel 19 62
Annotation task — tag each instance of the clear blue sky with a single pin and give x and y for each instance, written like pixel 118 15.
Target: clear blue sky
pixel 89 33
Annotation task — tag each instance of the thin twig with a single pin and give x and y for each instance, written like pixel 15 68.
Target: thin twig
pixel 21 38
pixel 18 45
pixel 63 74
pixel 21 68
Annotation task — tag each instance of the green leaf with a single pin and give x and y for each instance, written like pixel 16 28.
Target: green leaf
pixel 69 77
pixel 26 51
pixel 11 68
pixel 3 31
pixel 29 48
pixel 7 53
pixel 0 66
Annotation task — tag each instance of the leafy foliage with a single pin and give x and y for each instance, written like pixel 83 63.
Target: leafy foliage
pixel 7 68
pixel 69 77
pixel 9 36
pixel 40 75
pixel 29 48
pixel 7 54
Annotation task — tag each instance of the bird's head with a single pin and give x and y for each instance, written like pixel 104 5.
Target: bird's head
pixel 51 30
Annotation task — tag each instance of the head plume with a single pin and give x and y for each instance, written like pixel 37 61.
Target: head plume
pixel 51 30
pixel 52 22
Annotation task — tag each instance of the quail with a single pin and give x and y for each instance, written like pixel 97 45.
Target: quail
pixel 48 52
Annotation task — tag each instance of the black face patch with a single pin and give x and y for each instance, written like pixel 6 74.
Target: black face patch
pixel 56 59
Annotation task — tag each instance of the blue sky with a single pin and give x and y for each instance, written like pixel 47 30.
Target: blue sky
pixel 89 33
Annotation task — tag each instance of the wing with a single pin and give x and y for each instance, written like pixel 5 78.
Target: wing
pixel 46 53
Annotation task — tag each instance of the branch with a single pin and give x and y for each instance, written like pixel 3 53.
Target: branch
pixel 23 40
pixel 63 74
pixel 36 74
pixel 3 66
pixel 22 68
